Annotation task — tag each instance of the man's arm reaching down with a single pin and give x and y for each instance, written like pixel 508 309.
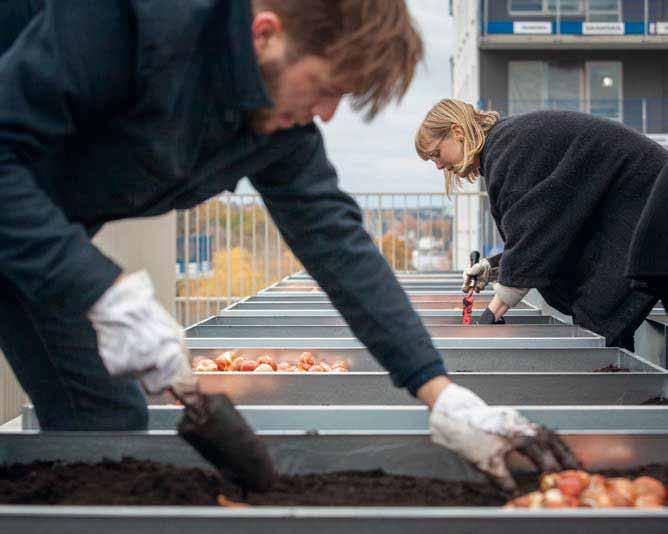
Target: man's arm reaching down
pixel 71 64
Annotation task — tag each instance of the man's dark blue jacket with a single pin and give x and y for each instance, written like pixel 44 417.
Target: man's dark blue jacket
pixel 123 108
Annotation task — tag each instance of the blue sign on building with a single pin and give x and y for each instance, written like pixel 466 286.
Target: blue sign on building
pixel 567 28
pixel 200 252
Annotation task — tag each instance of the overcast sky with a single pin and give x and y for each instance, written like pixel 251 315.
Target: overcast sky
pixel 380 156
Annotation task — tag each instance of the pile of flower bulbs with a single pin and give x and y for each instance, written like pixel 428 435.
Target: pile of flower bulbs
pixel 574 489
pixel 231 361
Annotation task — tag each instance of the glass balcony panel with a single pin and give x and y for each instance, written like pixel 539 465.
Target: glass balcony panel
pixel 605 89
pixel 566 7
pixel 633 112
pixel 604 11
pixel 526 86
pixel 656 115
pixel 535 85
pixel 564 83
pixel 657 12
pixel 646 115
pixel 603 5
pixel 526 6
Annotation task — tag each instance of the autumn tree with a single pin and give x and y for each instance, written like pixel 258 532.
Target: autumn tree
pixel 397 252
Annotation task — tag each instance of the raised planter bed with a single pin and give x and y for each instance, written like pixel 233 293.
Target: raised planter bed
pixel 299 455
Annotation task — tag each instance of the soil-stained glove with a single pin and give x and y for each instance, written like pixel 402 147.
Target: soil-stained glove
pixel 136 336
pixel 483 272
pixel 511 296
pixel 485 435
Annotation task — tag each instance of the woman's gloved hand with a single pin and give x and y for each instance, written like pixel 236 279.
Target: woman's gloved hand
pixel 136 336
pixel 485 435
pixel 483 272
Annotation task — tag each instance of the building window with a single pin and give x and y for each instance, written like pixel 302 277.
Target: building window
pixel 595 10
pixel 545 7
pixel 594 87
pixel 526 86
pixel 566 7
pixel 522 7
pixel 604 89
pixel 534 85
pixel 604 10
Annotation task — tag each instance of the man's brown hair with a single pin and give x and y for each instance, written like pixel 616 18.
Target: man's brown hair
pixel 372 44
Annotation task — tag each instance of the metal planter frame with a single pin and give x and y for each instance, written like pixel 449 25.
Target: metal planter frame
pixel 410 454
pixel 455 336
pixel 337 320
pixel 406 418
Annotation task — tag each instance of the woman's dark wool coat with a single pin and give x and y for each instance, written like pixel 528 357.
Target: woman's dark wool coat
pixel 566 190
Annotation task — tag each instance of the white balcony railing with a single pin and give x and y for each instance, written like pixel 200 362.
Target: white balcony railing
pixel 233 249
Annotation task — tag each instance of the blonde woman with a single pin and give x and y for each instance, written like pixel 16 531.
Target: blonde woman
pixel 566 190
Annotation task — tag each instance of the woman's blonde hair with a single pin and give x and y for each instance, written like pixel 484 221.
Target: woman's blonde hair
pixel 437 125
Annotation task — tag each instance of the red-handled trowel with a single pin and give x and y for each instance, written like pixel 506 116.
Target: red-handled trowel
pixel 467 312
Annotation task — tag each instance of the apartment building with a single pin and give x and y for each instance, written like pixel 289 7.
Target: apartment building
pixel 605 57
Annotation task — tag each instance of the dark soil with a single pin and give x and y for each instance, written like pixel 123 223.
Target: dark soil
pixel 656 400
pixel 612 368
pixel 133 482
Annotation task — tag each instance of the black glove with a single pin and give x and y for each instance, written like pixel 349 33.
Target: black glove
pixel 487 317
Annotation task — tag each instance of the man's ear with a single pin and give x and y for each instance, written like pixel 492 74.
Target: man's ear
pixel 265 26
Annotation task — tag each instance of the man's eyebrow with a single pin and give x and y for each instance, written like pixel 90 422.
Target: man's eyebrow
pixel 333 90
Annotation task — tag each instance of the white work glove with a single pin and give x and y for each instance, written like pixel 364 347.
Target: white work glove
pixel 485 435
pixel 481 271
pixel 136 336
pixel 510 296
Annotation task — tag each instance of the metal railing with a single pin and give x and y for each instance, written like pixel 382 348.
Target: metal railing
pixel 645 19
pixel 228 247
pixel 647 115
pixel 232 250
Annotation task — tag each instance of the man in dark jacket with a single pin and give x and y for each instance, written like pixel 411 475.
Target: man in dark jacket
pixel 133 108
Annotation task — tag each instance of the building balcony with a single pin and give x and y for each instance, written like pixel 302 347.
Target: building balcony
pixel 576 24
pixel 647 115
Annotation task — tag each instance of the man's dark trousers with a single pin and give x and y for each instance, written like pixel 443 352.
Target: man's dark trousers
pixel 57 362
